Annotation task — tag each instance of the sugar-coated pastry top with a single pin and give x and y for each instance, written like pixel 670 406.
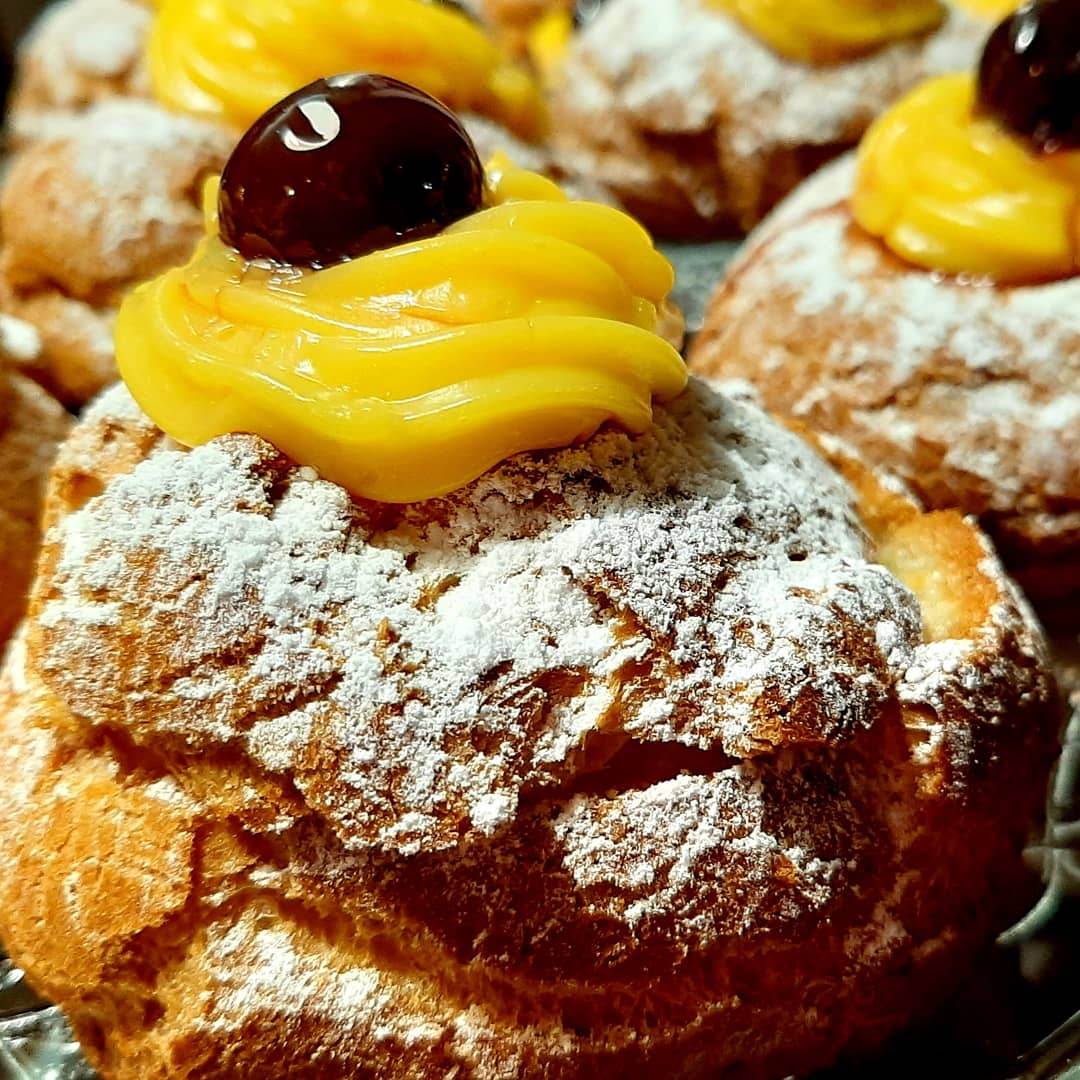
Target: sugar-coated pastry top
pixel 981 177
pixel 87 215
pixel 78 53
pixel 715 553
pixel 525 323
pixel 827 31
pixel 113 202
pixel 234 58
pixel 814 32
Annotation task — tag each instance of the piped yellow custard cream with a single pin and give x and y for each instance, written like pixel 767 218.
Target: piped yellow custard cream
pixel 371 302
pixel 233 59
pixel 980 176
pixel 831 31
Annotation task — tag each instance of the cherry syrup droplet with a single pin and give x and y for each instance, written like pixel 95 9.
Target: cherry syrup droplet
pixel 344 167
pixel 1029 77
pixel 585 11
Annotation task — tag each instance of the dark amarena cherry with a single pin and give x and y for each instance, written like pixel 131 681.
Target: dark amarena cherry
pixel 344 167
pixel 1029 78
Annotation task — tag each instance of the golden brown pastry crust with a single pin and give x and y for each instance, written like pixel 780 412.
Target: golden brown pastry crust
pixel 32 425
pixel 79 53
pixel 86 216
pixel 501 785
pixel 968 392
pixel 700 129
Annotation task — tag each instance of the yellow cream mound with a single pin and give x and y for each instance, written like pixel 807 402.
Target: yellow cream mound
pixel 234 59
pixel 952 191
pixel 407 373
pixel 829 31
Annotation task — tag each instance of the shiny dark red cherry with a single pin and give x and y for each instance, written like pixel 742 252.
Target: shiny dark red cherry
pixel 1029 78
pixel 585 11
pixel 344 167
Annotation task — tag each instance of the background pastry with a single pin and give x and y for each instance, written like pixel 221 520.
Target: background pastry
pixel 79 52
pixel 86 215
pixel 32 425
pixel 699 124
pixel 923 304
pixel 644 743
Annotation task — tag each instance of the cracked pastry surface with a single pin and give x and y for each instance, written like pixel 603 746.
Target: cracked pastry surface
pixel 32 424
pixel 969 391
pixel 630 756
pixel 700 129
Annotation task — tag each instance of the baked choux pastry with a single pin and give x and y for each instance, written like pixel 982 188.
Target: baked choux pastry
pixel 79 53
pixel 519 709
pixel 87 215
pixel 921 300
pixel 701 114
pixel 32 425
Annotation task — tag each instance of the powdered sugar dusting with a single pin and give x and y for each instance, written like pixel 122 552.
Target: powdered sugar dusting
pixel 436 666
pixel 19 341
pixel 275 963
pixel 100 37
pixel 620 75
pixel 655 848
pixel 142 165
pixel 80 51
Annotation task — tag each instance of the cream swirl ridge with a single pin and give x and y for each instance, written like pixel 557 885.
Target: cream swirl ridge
pixel 407 373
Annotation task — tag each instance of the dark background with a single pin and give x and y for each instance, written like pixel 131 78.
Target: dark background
pixel 15 17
